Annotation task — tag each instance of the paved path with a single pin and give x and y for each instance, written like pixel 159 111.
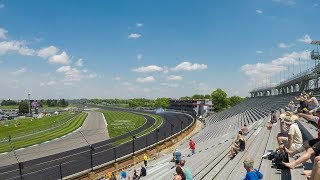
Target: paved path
pixel 93 129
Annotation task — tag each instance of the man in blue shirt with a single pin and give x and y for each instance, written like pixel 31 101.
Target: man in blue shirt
pixel 177 155
pixel 252 174
pixel 123 175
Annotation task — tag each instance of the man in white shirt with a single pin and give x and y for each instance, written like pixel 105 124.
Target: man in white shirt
pixel 295 140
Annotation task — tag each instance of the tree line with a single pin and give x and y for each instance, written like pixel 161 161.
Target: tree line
pixel 220 100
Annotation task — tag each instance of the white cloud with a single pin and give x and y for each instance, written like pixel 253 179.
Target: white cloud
pixel 127 84
pixel 139 56
pixel 145 69
pixel 259 52
pixel 79 63
pixel 64 69
pixel 187 66
pixel 19 71
pixel 139 25
pixel 3 33
pixel 48 52
pixel 170 85
pixel 284 45
pixel 259 11
pixel 306 39
pixel 62 58
pixel 260 71
pixel 285 2
pixel 134 36
pixel 174 78
pixel 92 75
pixel 147 79
pixel 18 46
pixel 50 83
pixel 117 78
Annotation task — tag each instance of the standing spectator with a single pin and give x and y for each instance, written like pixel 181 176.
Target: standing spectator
pixel 123 174
pixel 177 155
pixel 252 174
pixel 192 146
pixel 145 160
pixel 180 175
pixel 143 171
pixel 186 170
pixel 245 130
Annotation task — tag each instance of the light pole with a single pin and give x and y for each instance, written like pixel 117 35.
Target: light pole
pixel 29 105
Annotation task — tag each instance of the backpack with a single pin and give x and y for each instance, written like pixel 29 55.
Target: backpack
pixel 279 158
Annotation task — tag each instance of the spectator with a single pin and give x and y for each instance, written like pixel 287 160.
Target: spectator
pixel 135 175
pixel 145 160
pixel 180 175
pixel 113 177
pixel 143 171
pixel 123 174
pixel 192 146
pixel 245 130
pixel 234 149
pixel 283 135
pixel 291 107
pixel 312 146
pixel 313 104
pixel 177 155
pixel 293 140
pixel 252 174
pixel 315 173
pixel 303 104
pixel 273 118
pixel 186 170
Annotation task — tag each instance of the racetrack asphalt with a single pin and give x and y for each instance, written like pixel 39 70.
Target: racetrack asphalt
pixel 92 131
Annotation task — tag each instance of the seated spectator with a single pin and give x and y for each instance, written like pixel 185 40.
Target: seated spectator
pixel 123 174
pixel 293 140
pixel 303 104
pixel 135 176
pixel 234 149
pixel 282 136
pixel 274 118
pixel 314 174
pixel 113 177
pixel 242 141
pixel 252 174
pixel 143 172
pixel 186 170
pixel 313 104
pixel 245 130
pixel 180 175
pixel 312 146
pixel 291 107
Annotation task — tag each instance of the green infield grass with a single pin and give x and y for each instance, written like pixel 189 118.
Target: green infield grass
pixel 38 130
pixel 120 122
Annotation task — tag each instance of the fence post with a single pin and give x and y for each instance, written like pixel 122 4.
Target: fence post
pixel 172 126
pixel 133 138
pixel 20 170
pixel 115 154
pixel 60 167
pixel 91 158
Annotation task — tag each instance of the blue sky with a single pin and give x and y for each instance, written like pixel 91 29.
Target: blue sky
pixel 127 49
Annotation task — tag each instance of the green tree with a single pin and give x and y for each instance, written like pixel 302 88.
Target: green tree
pixel 162 102
pixel 219 99
pixel 207 96
pixel 23 107
pixel 234 100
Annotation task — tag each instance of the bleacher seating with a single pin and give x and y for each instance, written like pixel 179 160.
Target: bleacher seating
pixel 213 143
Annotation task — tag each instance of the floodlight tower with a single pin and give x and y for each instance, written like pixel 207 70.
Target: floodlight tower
pixel 315 55
pixel 29 103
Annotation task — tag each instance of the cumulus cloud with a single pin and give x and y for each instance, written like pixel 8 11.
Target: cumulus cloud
pixel 259 11
pixel 3 33
pixel 174 78
pixel 16 46
pixel 79 63
pixel 259 52
pixel 47 52
pixel 306 39
pixel 188 66
pixel 19 71
pixel 62 58
pixel 134 36
pixel 259 71
pixel 284 45
pixel 64 69
pixel 50 83
pixel 146 69
pixel 147 79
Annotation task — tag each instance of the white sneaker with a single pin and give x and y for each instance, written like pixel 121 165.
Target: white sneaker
pixel 266 155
